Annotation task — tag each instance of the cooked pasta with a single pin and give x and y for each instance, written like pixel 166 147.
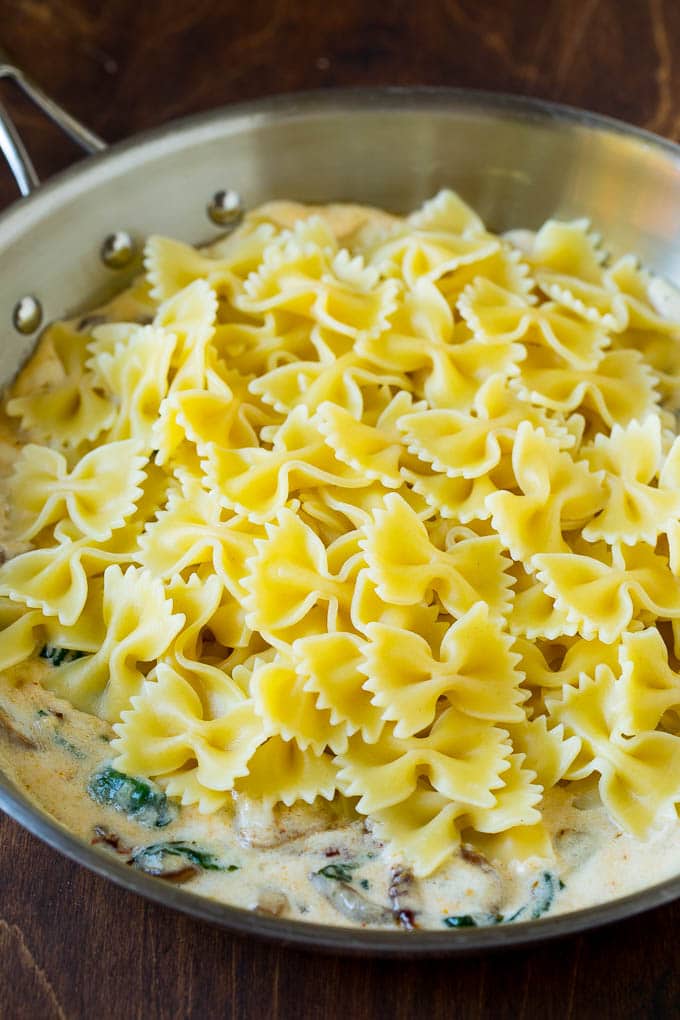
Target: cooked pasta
pixel 389 515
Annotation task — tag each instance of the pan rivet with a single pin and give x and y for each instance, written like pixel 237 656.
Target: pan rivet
pixel 27 315
pixel 225 208
pixel 117 250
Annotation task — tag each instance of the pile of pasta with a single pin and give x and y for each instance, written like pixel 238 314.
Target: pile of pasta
pixel 365 506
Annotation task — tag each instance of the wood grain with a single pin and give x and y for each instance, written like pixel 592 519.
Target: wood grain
pixel 73 946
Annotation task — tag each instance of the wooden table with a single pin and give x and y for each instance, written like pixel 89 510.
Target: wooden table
pixel 72 945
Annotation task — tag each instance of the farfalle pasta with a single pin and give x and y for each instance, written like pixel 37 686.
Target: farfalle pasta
pixel 371 517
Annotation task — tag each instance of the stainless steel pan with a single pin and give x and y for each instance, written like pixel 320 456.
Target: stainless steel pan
pixel 517 161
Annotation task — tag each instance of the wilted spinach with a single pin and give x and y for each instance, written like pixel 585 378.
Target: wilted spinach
pixel 137 798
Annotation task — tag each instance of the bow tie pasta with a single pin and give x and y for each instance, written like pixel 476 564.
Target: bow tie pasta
pixel 373 511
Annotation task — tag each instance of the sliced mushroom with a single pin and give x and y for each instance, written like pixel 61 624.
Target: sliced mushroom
pixel 171 867
pixel 350 903
pixel 261 826
pixel 575 846
pixel 270 901
pixel 111 839
pixel 13 731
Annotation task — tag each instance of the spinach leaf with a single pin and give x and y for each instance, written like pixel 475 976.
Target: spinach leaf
pixel 137 798
pixel 340 871
pixel 460 921
pixel 68 746
pixel 472 920
pixel 170 859
pixel 58 656
pixel 543 893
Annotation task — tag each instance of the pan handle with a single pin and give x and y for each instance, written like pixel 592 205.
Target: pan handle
pixel 11 145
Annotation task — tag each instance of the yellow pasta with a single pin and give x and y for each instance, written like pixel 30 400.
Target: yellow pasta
pixel 388 514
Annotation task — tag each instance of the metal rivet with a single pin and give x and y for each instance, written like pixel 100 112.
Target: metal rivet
pixel 225 208
pixel 27 315
pixel 118 250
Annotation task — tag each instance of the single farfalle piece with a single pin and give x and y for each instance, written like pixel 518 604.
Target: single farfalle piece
pixel 312 383
pixel 373 451
pixel 462 758
pixel 280 772
pixel 257 482
pixel 534 613
pixel 504 267
pixel 421 618
pixel 132 364
pixel 166 734
pixel 520 843
pixel 191 531
pixel 222 413
pixel 20 632
pixel 601 593
pixel 330 665
pixel 515 804
pixel 424 828
pixel 556 494
pixel 459 499
pixel 447 213
pixel 189 316
pixel 328 523
pixel 441 237
pixel 496 315
pixel 547 751
pixel 567 264
pixel 140 626
pixel 639 775
pixel 561 660
pixel 636 510
pixel 172 265
pixel 404 564
pixel 622 388
pixel 661 353
pixel 648 686
pixel 156 488
pixel 24 632
pixel 303 273
pixel 200 601
pixel 98 495
pixel 650 300
pixel 56 398
pixel 424 338
pixel 569 248
pixel 289 710
pixel 470 445
pixel 292 590
pixel 56 579
pixel 474 670
pixel 355 506
pixel 256 345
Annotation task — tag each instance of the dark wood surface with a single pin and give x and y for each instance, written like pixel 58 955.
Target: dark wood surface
pixel 73 946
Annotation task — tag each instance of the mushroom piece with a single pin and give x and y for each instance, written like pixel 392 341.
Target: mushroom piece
pixel 272 902
pixel 350 903
pixel 262 826
pixel 14 732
